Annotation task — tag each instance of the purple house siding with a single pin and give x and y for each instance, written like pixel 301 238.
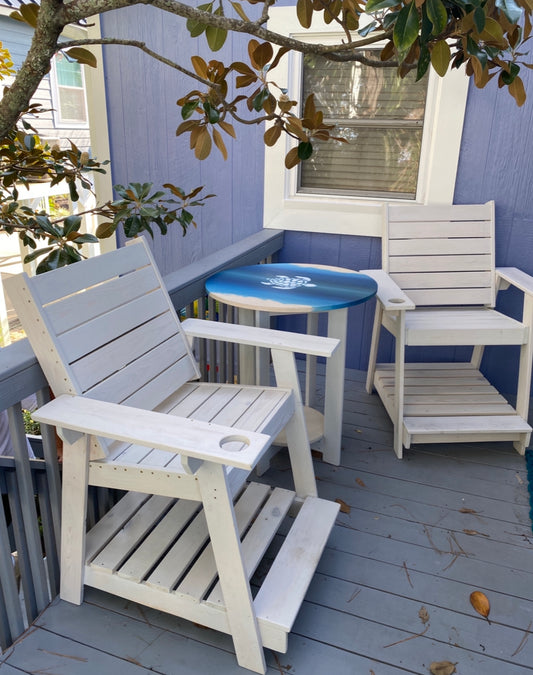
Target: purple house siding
pixel 495 163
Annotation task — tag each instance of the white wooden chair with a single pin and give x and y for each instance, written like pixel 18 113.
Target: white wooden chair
pixel 119 363
pixel 438 286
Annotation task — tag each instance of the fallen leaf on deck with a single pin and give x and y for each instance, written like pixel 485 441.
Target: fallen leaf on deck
pixel 360 482
pixel 480 603
pixel 519 479
pixel 442 668
pixel 345 508
pixel 316 454
pixel 473 533
pixel 423 614
pixel 464 510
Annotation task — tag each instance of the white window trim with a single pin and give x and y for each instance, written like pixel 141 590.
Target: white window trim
pixel 59 122
pixel 285 209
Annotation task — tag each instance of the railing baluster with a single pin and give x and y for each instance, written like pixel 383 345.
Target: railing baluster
pixel 52 468
pixel 11 621
pixel 29 512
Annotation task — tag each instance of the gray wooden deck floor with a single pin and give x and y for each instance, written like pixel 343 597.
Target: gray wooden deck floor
pixel 391 594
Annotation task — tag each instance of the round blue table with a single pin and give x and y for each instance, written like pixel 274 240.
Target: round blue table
pixel 292 288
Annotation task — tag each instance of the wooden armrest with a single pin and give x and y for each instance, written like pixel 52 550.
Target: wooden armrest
pixel 192 438
pixel 389 293
pixel 514 276
pixel 314 345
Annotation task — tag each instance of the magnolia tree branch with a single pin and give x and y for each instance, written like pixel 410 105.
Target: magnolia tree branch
pixel 139 45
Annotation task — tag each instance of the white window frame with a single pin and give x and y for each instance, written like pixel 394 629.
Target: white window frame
pixel 286 209
pixel 58 118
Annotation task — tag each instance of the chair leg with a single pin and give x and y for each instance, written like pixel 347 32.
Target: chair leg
pixel 224 535
pixel 378 316
pixel 73 518
pixel 399 385
pixel 524 373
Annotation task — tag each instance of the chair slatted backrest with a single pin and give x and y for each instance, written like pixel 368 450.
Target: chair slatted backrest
pixel 441 255
pixel 106 328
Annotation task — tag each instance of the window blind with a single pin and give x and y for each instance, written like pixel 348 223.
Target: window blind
pixel 380 115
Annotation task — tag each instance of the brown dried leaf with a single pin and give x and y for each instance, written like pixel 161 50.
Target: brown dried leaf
pixel 480 603
pixel 360 482
pixel 463 510
pixel 345 508
pixel 423 614
pixel 442 668
pixel 474 533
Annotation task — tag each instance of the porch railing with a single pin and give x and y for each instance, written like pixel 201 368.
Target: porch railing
pixel 31 488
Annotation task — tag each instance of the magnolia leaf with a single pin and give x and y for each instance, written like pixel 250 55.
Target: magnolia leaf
pixel 305 150
pixel 292 159
pixel 245 80
pixel 216 37
pixel 511 10
pixel 281 52
pixel 517 91
pixel 493 32
pixel 242 68
pixel 195 28
pixel 423 615
pixel 375 5
pixel 304 12
pixel 252 46
pixel 423 63
pixel 406 29
pixel 262 54
pixel 187 126
pixel 345 508
pixel 387 53
pixel 240 11
pixel 29 13
pixel 437 15
pixel 219 142
pixel 479 19
pixel 202 147
pixel 310 108
pixel 105 230
pixel 271 135
pixel 228 128
pixel 200 66
pixel 83 56
pixel 480 603
pixel 189 108
pixel 440 57
pixel 442 668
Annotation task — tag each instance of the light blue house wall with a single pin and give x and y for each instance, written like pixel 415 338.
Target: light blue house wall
pixel 496 163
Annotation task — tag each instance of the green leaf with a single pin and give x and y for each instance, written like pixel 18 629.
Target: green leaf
pixel 212 113
pixel 29 13
pixel 36 254
pixel 423 63
pixel 86 239
pixel 367 29
pixel 189 108
pixel 406 29
pixel 305 150
pixel 73 191
pixel 437 15
pixel 29 141
pixel 71 224
pixel 195 28
pixel 105 230
pixel 473 49
pixel 479 19
pixel 261 97
pixel 83 56
pixel 216 37
pixel 508 77
pixel 375 5
pixel 440 57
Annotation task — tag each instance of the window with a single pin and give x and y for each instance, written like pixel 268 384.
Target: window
pixel 381 117
pixel 68 92
pixel 404 139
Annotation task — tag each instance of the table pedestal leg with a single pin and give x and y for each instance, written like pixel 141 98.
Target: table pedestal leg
pixel 334 397
pixel 246 353
pixel 310 364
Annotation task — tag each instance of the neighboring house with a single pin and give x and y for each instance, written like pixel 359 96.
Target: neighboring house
pixel 73 99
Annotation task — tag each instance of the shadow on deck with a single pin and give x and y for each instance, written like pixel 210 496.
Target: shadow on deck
pixel 391 594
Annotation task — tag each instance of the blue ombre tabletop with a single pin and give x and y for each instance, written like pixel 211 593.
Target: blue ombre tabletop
pixel 291 287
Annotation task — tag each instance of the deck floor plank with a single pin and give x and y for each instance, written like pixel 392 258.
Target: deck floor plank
pixel 422 532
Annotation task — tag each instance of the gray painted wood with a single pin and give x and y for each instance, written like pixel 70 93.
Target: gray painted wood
pixel 402 546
